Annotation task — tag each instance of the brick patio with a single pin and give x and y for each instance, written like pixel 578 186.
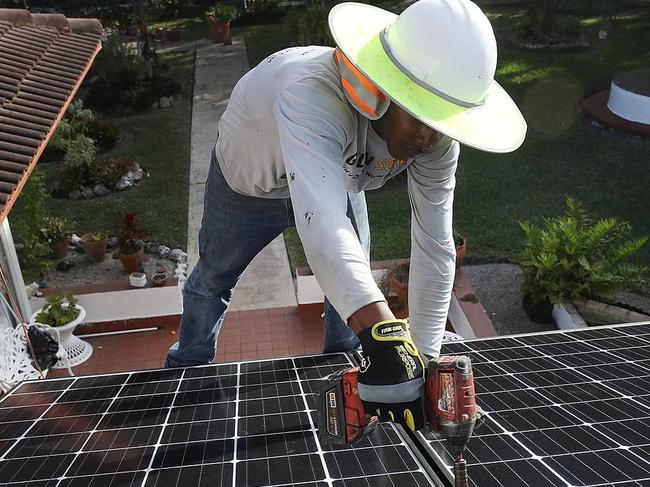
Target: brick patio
pixel 246 335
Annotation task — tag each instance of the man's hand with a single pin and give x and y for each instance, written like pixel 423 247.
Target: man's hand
pixel 391 376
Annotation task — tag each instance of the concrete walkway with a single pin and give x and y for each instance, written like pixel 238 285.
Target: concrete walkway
pixel 267 283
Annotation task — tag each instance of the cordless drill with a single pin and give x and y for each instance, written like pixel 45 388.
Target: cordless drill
pixel 449 402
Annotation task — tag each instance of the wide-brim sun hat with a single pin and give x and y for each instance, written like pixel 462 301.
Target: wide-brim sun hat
pixel 436 60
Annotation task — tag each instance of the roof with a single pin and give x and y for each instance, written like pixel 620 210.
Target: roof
pixel 43 60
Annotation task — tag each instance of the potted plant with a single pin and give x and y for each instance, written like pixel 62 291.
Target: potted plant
pixel 219 17
pixel 94 245
pixel 129 233
pixel 60 310
pixel 63 312
pixel 575 258
pixel 160 276
pixel 395 282
pixel 460 241
pixel 55 231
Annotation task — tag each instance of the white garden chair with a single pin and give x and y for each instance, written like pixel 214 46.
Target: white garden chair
pixel 16 363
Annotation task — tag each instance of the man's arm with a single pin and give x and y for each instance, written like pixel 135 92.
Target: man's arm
pixel 391 375
pixel 314 128
pixel 370 315
pixel 431 184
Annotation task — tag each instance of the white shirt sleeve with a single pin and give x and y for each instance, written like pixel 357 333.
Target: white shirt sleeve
pixel 431 183
pixel 314 128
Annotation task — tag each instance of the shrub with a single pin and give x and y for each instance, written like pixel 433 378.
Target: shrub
pixel 27 217
pixel 80 153
pixel 310 25
pixel 221 13
pixel 575 256
pixel 163 86
pixel 80 122
pixel 104 132
pixel 108 172
pixel 143 98
pixel 261 12
pixel 123 82
pixel 76 122
pixel 54 229
pixel 114 77
pixel 171 9
pixel 543 23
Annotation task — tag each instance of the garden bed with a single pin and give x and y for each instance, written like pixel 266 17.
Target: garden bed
pixel 83 272
pixel 159 141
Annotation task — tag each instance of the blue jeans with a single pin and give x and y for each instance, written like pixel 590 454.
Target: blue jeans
pixel 235 228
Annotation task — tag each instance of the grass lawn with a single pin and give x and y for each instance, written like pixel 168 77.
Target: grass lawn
pixel 159 140
pixel 193 28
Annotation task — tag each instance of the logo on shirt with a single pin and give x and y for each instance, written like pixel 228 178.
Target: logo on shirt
pixel 360 160
pixel 389 164
pixel 365 159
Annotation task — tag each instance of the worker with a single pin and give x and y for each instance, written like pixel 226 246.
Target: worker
pixel 310 129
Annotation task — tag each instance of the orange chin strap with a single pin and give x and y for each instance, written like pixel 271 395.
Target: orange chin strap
pixel 360 91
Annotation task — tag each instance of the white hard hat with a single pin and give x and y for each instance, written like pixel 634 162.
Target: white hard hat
pixel 436 60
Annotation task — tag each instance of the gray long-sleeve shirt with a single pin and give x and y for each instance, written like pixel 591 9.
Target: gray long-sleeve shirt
pixel 289 130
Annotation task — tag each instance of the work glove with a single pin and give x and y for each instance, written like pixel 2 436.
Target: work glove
pixel 391 375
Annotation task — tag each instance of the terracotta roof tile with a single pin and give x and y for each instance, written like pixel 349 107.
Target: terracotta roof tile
pixel 43 60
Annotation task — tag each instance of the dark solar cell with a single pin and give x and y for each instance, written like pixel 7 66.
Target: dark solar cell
pixel 21 413
pixel 247 424
pixel 633 353
pixel 34 399
pixel 577 415
pixel 522 473
pixel 144 388
pixel 52 385
pixel 199 430
pixel 37 446
pixel 487 370
pixel 199 475
pixel 77 408
pixel 155 375
pixel 558 441
pixel 99 381
pixel 626 433
pixel 599 467
pixel 273 423
pixel 80 395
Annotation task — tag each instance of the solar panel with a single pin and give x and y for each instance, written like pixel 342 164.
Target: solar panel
pixel 566 408
pixel 239 424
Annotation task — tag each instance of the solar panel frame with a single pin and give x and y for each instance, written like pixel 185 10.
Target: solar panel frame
pixel 575 418
pixel 245 423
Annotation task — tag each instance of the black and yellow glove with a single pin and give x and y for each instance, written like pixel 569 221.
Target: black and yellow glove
pixel 391 375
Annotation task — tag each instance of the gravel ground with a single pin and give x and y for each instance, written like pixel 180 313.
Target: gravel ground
pixel 85 272
pixel 498 288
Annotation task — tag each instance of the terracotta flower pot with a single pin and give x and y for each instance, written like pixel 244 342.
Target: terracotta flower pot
pixel 132 261
pixel 401 289
pixel 174 34
pixel 220 32
pixel 95 249
pixel 60 248
pixel 461 248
